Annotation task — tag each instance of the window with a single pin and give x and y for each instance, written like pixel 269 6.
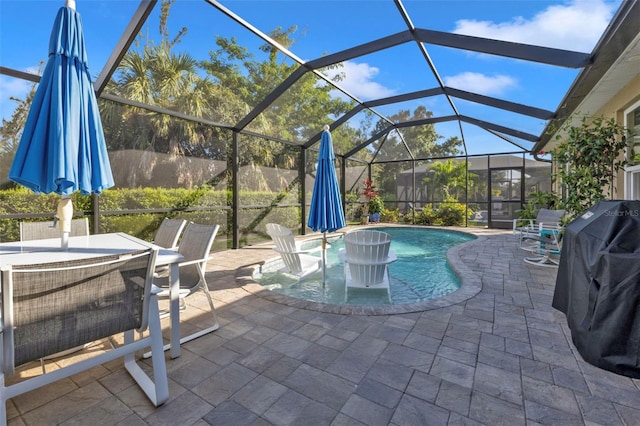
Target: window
pixel 632 171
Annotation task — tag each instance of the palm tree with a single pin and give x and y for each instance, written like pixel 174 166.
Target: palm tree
pixel 157 76
pixel 447 178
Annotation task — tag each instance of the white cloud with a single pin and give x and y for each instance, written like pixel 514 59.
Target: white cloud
pixel 576 26
pixel 480 83
pixel 358 80
pixel 12 87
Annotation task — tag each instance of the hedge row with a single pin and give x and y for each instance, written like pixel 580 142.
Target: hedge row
pixel 200 205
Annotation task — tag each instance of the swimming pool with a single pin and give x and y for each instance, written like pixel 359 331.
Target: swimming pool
pixel 421 272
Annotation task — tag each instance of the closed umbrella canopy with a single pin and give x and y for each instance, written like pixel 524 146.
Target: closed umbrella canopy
pixel 326 213
pixel 62 148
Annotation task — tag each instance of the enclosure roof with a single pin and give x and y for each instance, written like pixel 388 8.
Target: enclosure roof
pixel 497 75
pixel 497 162
pixel 616 62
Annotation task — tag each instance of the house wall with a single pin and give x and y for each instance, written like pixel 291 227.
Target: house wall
pixel 615 108
pixel 622 100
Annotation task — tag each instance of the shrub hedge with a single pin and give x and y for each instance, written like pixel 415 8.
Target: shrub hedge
pixel 121 210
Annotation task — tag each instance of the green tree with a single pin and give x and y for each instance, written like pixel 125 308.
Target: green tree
pixel 447 180
pixel 157 75
pixel 419 142
pixel 297 115
pixel 11 130
pixel 588 158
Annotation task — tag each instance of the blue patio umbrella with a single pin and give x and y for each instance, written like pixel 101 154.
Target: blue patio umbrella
pixel 62 148
pixel 326 213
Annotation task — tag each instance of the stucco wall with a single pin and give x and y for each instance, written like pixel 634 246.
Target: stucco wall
pixel 615 108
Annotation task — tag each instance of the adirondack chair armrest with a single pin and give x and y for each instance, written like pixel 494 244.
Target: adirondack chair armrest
pixel 391 257
pixel 314 249
pixel 299 251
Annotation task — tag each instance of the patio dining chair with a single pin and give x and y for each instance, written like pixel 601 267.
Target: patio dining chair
pixel 167 236
pixel 40 230
pixel 50 307
pixel 194 246
pixel 545 219
pixel 168 233
pixel 46 229
pixel 545 247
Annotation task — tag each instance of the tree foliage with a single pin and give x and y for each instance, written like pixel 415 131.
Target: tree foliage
pixel 11 130
pixel 417 142
pixel 448 180
pixel 588 158
pixel 155 149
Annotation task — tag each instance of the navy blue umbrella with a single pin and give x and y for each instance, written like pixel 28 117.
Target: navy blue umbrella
pixel 62 148
pixel 326 213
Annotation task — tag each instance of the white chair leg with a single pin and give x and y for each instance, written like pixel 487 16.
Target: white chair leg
pixel 205 290
pixel 3 400
pixel 389 281
pixel 214 327
pixel 157 392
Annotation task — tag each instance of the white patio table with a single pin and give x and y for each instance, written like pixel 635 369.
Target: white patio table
pixel 83 247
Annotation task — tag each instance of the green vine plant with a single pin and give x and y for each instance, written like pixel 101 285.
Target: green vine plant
pixel 588 158
pixel 538 200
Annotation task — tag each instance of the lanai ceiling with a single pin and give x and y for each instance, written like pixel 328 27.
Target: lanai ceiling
pixel 415 55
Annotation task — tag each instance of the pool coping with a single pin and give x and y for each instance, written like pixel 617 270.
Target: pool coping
pixel 471 284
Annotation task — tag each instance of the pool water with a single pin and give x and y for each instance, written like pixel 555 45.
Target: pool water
pixel 420 273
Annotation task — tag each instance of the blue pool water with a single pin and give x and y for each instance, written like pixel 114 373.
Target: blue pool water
pixel 420 273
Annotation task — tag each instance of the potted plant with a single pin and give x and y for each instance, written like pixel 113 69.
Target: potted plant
pixel 369 191
pixel 376 206
pixel 364 214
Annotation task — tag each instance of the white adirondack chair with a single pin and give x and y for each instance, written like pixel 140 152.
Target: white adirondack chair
pixel 366 258
pixel 297 261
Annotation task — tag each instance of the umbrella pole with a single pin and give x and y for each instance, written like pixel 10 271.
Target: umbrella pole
pixel 65 213
pixel 324 258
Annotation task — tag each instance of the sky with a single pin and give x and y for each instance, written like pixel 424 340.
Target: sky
pixel 329 26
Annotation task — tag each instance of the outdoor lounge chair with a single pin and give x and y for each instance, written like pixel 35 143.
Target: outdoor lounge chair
pixel 41 230
pixel 194 247
pixel 545 247
pixel 297 262
pixel 50 307
pixel 545 219
pixel 366 257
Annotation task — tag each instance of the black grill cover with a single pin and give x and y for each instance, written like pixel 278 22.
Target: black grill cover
pixel 598 285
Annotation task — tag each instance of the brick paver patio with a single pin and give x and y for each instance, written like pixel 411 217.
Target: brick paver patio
pixel 497 353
